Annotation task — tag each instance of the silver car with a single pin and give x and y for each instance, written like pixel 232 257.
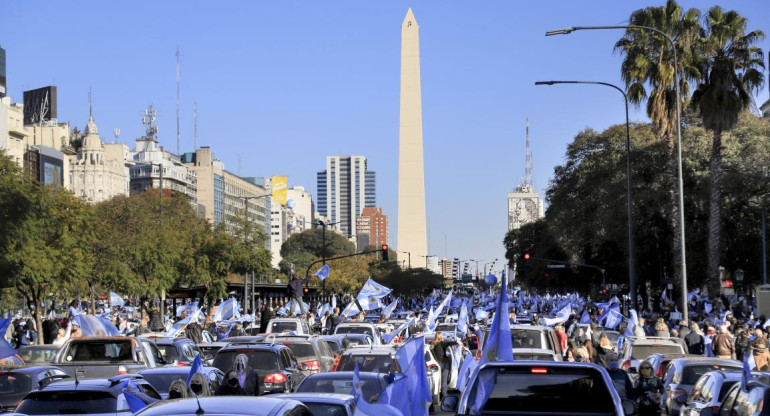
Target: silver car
pixel 327 404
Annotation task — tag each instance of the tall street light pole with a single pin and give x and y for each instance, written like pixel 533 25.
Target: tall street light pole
pixel 323 250
pixel 246 215
pixel 410 257
pixel 683 260
pixel 629 190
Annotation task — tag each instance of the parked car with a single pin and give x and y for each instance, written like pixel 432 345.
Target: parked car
pixel 635 350
pixel 311 351
pixel 38 354
pixel 377 359
pixel 276 365
pixel 341 382
pixel 296 326
pixel 682 374
pixel 659 362
pixel 15 384
pixel 93 397
pixel 227 405
pixel 161 378
pixel 209 350
pixel 326 404
pixel 359 328
pixel 532 336
pixel 749 402
pixel 709 392
pixel 542 388
pixel 177 351
pixel 105 357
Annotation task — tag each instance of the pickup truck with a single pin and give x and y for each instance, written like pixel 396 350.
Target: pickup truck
pixel 106 357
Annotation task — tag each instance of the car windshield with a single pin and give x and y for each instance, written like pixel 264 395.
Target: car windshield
pixel 353 330
pixel 283 326
pixel 37 355
pixel 169 352
pixel 558 391
pixel 68 403
pixel 353 342
pixel 258 360
pixel 379 363
pixel 523 338
pixel 692 373
pixel 326 409
pixel 113 351
pixel 14 383
pixel 641 352
pixel 300 349
pixel 370 386
pixel 162 381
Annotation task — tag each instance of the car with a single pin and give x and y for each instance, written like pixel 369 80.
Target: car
pixel 15 384
pixel 543 388
pixel 12 361
pixel 227 405
pixel 336 343
pixel 749 402
pixel 341 382
pixel 709 392
pixel 93 397
pixel 660 361
pixel 326 404
pixel 355 340
pixel 531 336
pixel 635 350
pixel 177 351
pixel 209 350
pixel 534 354
pixel 38 354
pixel 296 326
pixel 681 375
pixel 161 378
pixel 433 371
pixel 276 365
pixel 378 359
pixel 359 328
pixel 312 352
pixel 105 357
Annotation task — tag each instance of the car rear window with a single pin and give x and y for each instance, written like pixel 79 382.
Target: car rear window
pixel 258 360
pixel 37 355
pixel 370 386
pixel 380 363
pixel 353 342
pixel 14 383
pixel 283 326
pixel 641 352
pixel 522 338
pixel 301 349
pixel 692 373
pixel 162 381
pixel 353 330
pixel 533 356
pixel 113 351
pixel 169 352
pixel 326 409
pixel 67 403
pixel 562 390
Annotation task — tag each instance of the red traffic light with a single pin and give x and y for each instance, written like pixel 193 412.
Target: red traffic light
pixel 384 247
pixel 305 290
pixel 526 256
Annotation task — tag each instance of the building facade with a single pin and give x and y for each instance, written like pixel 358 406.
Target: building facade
pixel 371 228
pixel 345 188
pixel 13 135
pixel 98 171
pixel 524 203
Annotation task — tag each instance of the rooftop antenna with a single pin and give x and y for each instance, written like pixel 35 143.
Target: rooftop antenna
pixel 528 181
pixel 195 125
pixel 149 120
pixel 116 132
pixel 178 135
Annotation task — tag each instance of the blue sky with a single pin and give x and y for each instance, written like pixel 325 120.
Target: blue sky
pixel 282 84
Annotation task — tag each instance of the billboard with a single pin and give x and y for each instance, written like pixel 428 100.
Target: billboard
pixel 39 105
pixel 280 186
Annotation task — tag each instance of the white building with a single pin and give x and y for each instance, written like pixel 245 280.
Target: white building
pixel 98 171
pixel 13 135
pixel 345 188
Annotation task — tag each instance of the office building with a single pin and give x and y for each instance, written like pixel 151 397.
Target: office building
pixel 371 228
pixel 98 171
pixel 345 188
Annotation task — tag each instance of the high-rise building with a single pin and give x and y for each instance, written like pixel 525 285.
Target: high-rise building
pixel 446 268
pixel 371 228
pixel 3 81
pixel 345 188
pixel 524 203
pixel 98 171
pixel 412 229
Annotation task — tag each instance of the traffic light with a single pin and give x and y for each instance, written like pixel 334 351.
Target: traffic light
pixel 525 265
pixel 385 252
pixel 526 256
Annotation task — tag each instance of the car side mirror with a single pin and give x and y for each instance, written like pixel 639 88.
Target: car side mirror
pixel 629 407
pixel 681 399
pixel 449 403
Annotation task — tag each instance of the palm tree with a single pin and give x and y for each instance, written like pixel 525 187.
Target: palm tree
pixel 649 66
pixel 731 69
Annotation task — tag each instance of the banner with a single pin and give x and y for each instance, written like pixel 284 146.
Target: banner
pixel 280 186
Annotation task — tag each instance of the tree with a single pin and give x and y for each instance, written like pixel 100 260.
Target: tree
pixel 649 64
pixel 311 241
pixel 731 72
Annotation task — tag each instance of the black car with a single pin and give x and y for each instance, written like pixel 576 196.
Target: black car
pixel 181 351
pixel 276 365
pixel 227 405
pixel 312 352
pixel 15 384
pixel 161 378
pixel 93 397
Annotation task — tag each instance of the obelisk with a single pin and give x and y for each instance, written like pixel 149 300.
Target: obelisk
pixel 412 236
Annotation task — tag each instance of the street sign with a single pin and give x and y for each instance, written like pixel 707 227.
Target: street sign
pixel 467 277
pixel 556 266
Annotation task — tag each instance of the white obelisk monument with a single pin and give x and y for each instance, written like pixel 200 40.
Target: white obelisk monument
pixel 412 235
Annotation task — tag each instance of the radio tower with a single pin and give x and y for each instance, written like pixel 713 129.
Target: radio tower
pixel 528 181
pixel 178 135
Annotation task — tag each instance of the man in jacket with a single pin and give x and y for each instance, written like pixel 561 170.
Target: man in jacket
pixel 296 292
pixel 722 345
pixel 694 341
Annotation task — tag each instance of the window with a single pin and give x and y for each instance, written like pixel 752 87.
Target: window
pixel 68 402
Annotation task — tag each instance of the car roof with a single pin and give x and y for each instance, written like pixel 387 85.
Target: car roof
pixel 346 375
pixel 221 405
pixel 685 361
pixel 173 370
pixel 532 327
pixel 285 319
pixel 254 346
pixel 371 349
pixel 335 398
pixel 366 324
pixel 47 347
pixel 533 351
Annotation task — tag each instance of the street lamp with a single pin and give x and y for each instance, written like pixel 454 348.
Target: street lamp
pixel 629 190
pixel 683 260
pixel 323 249
pixel 410 257
pixel 426 258
pixel 477 265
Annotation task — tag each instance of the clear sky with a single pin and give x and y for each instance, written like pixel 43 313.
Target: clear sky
pixel 282 84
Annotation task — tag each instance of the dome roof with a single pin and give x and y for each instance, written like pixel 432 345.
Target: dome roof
pixel 92 140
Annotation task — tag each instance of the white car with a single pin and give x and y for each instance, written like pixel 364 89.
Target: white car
pixel 434 376
pixel 296 326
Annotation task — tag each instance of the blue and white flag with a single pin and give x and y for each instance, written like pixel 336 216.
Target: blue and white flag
pixel 466 369
pixel 748 364
pixel 195 316
pixel 6 350
pixel 561 316
pixel 585 318
pixel 481 314
pixel 227 310
pixel 373 289
pixel 196 367
pixel 632 322
pixel 390 308
pixel 396 332
pixel 612 318
pixel 116 300
pixel 370 303
pixel 188 307
pixel 411 394
pixel 462 320
pixel 334 301
pixel 96 326
pixel 350 310
pixel 134 402
pixel 443 304
pixel 323 272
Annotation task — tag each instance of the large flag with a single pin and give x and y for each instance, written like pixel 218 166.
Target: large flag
pixel 410 394
pixel 350 310
pixel 227 310
pixel 188 307
pixel 369 303
pixel 99 326
pixel 390 308
pixel 462 320
pixel 196 367
pixel 466 369
pixel 633 318
pixel 5 348
pixel 499 347
pixel 195 316
pixel 363 407
pixel 443 304
pixel 116 300
pixel 323 272
pixel 373 289
pixel 561 316
pixel 585 318
pixel 612 318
